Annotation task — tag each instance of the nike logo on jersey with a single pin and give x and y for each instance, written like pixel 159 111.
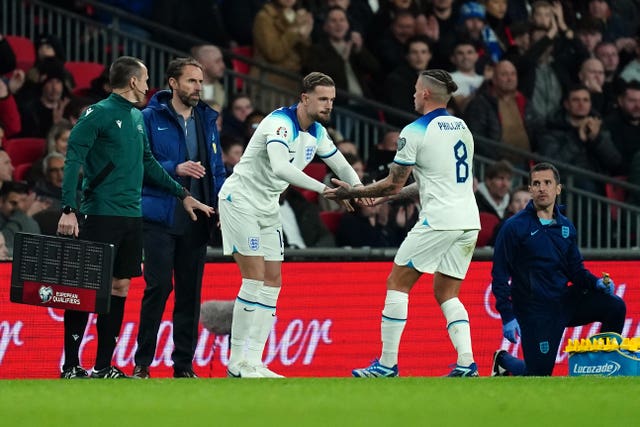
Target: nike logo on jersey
pixel 161 128
pixel 246 309
pixel 119 123
pixel 89 111
pixel 534 232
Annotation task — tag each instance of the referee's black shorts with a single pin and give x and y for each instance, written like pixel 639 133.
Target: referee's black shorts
pixel 125 233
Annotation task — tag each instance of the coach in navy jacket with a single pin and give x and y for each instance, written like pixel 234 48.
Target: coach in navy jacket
pixel 540 283
pixel 183 137
pixel 167 141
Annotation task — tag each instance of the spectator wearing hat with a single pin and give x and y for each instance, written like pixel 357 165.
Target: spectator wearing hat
pixel 472 26
pixel 43 106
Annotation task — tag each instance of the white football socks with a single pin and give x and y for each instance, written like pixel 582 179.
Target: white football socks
pixel 244 310
pixel 394 318
pixel 459 330
pixel 264 318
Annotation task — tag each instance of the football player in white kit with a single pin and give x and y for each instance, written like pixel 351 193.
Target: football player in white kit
pixel 284 143
pixel 438 148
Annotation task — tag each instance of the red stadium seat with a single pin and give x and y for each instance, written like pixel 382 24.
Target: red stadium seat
pixel 331 219
pixel 239 66
pixel 309 195
pixel 24 50
pixel 24 150
pixel 316 170
pixel 20 171
pixel 488 222
pixel 617 193
pixel 84 72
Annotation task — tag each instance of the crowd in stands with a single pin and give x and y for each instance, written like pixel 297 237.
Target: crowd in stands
pixel 557 78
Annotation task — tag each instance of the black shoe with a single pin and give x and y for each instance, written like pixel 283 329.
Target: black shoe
pixel 109 372
pixel 184 373
pixel 74 373
pixel 496 369
pixel 141 372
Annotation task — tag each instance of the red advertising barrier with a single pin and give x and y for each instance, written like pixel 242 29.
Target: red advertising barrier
pixel 328 323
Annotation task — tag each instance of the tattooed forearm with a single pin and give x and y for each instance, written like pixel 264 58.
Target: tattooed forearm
pixel 390 185
pixel 411 191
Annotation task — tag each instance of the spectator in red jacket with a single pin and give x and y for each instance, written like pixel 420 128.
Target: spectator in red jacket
pixel 10 123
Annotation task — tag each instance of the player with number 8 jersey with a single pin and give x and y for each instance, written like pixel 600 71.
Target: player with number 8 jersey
pixel 438 149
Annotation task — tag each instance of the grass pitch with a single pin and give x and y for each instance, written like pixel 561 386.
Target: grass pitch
pixel 547 402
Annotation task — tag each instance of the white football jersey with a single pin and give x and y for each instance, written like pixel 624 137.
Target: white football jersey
pixel 253 177
pixel 439 146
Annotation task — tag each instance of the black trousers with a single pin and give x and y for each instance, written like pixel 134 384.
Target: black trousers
pixel 172 262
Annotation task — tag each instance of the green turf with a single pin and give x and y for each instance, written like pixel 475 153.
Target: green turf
pixel 546 402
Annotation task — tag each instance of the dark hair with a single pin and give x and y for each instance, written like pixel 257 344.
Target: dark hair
pixel 575 88
pixel 632 84
pixel 464 41
pixel 443 77
pixel 314 79
pixel 420 38
pixel 228 141
pixel 332 8
pixel 519 189
pixel 237 96
pixel 176 67
pixel 14 187
pixel 544 166
pixel 519 28
pixel 498 168
pixel 123 69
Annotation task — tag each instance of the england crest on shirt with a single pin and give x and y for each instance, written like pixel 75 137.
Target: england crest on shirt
pixel 308 153
pixel 565 231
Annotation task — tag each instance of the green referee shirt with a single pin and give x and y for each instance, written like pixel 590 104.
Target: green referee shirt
pixel 110 144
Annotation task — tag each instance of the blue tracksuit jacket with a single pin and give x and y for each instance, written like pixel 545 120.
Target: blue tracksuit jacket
pixel 540 260
pixel 167 142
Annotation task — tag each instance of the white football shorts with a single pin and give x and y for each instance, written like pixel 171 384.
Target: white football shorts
pixel 250 234
pixel 445 251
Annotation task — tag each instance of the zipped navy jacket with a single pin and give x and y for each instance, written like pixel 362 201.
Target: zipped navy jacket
pixel 541 261
pixel 167 142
